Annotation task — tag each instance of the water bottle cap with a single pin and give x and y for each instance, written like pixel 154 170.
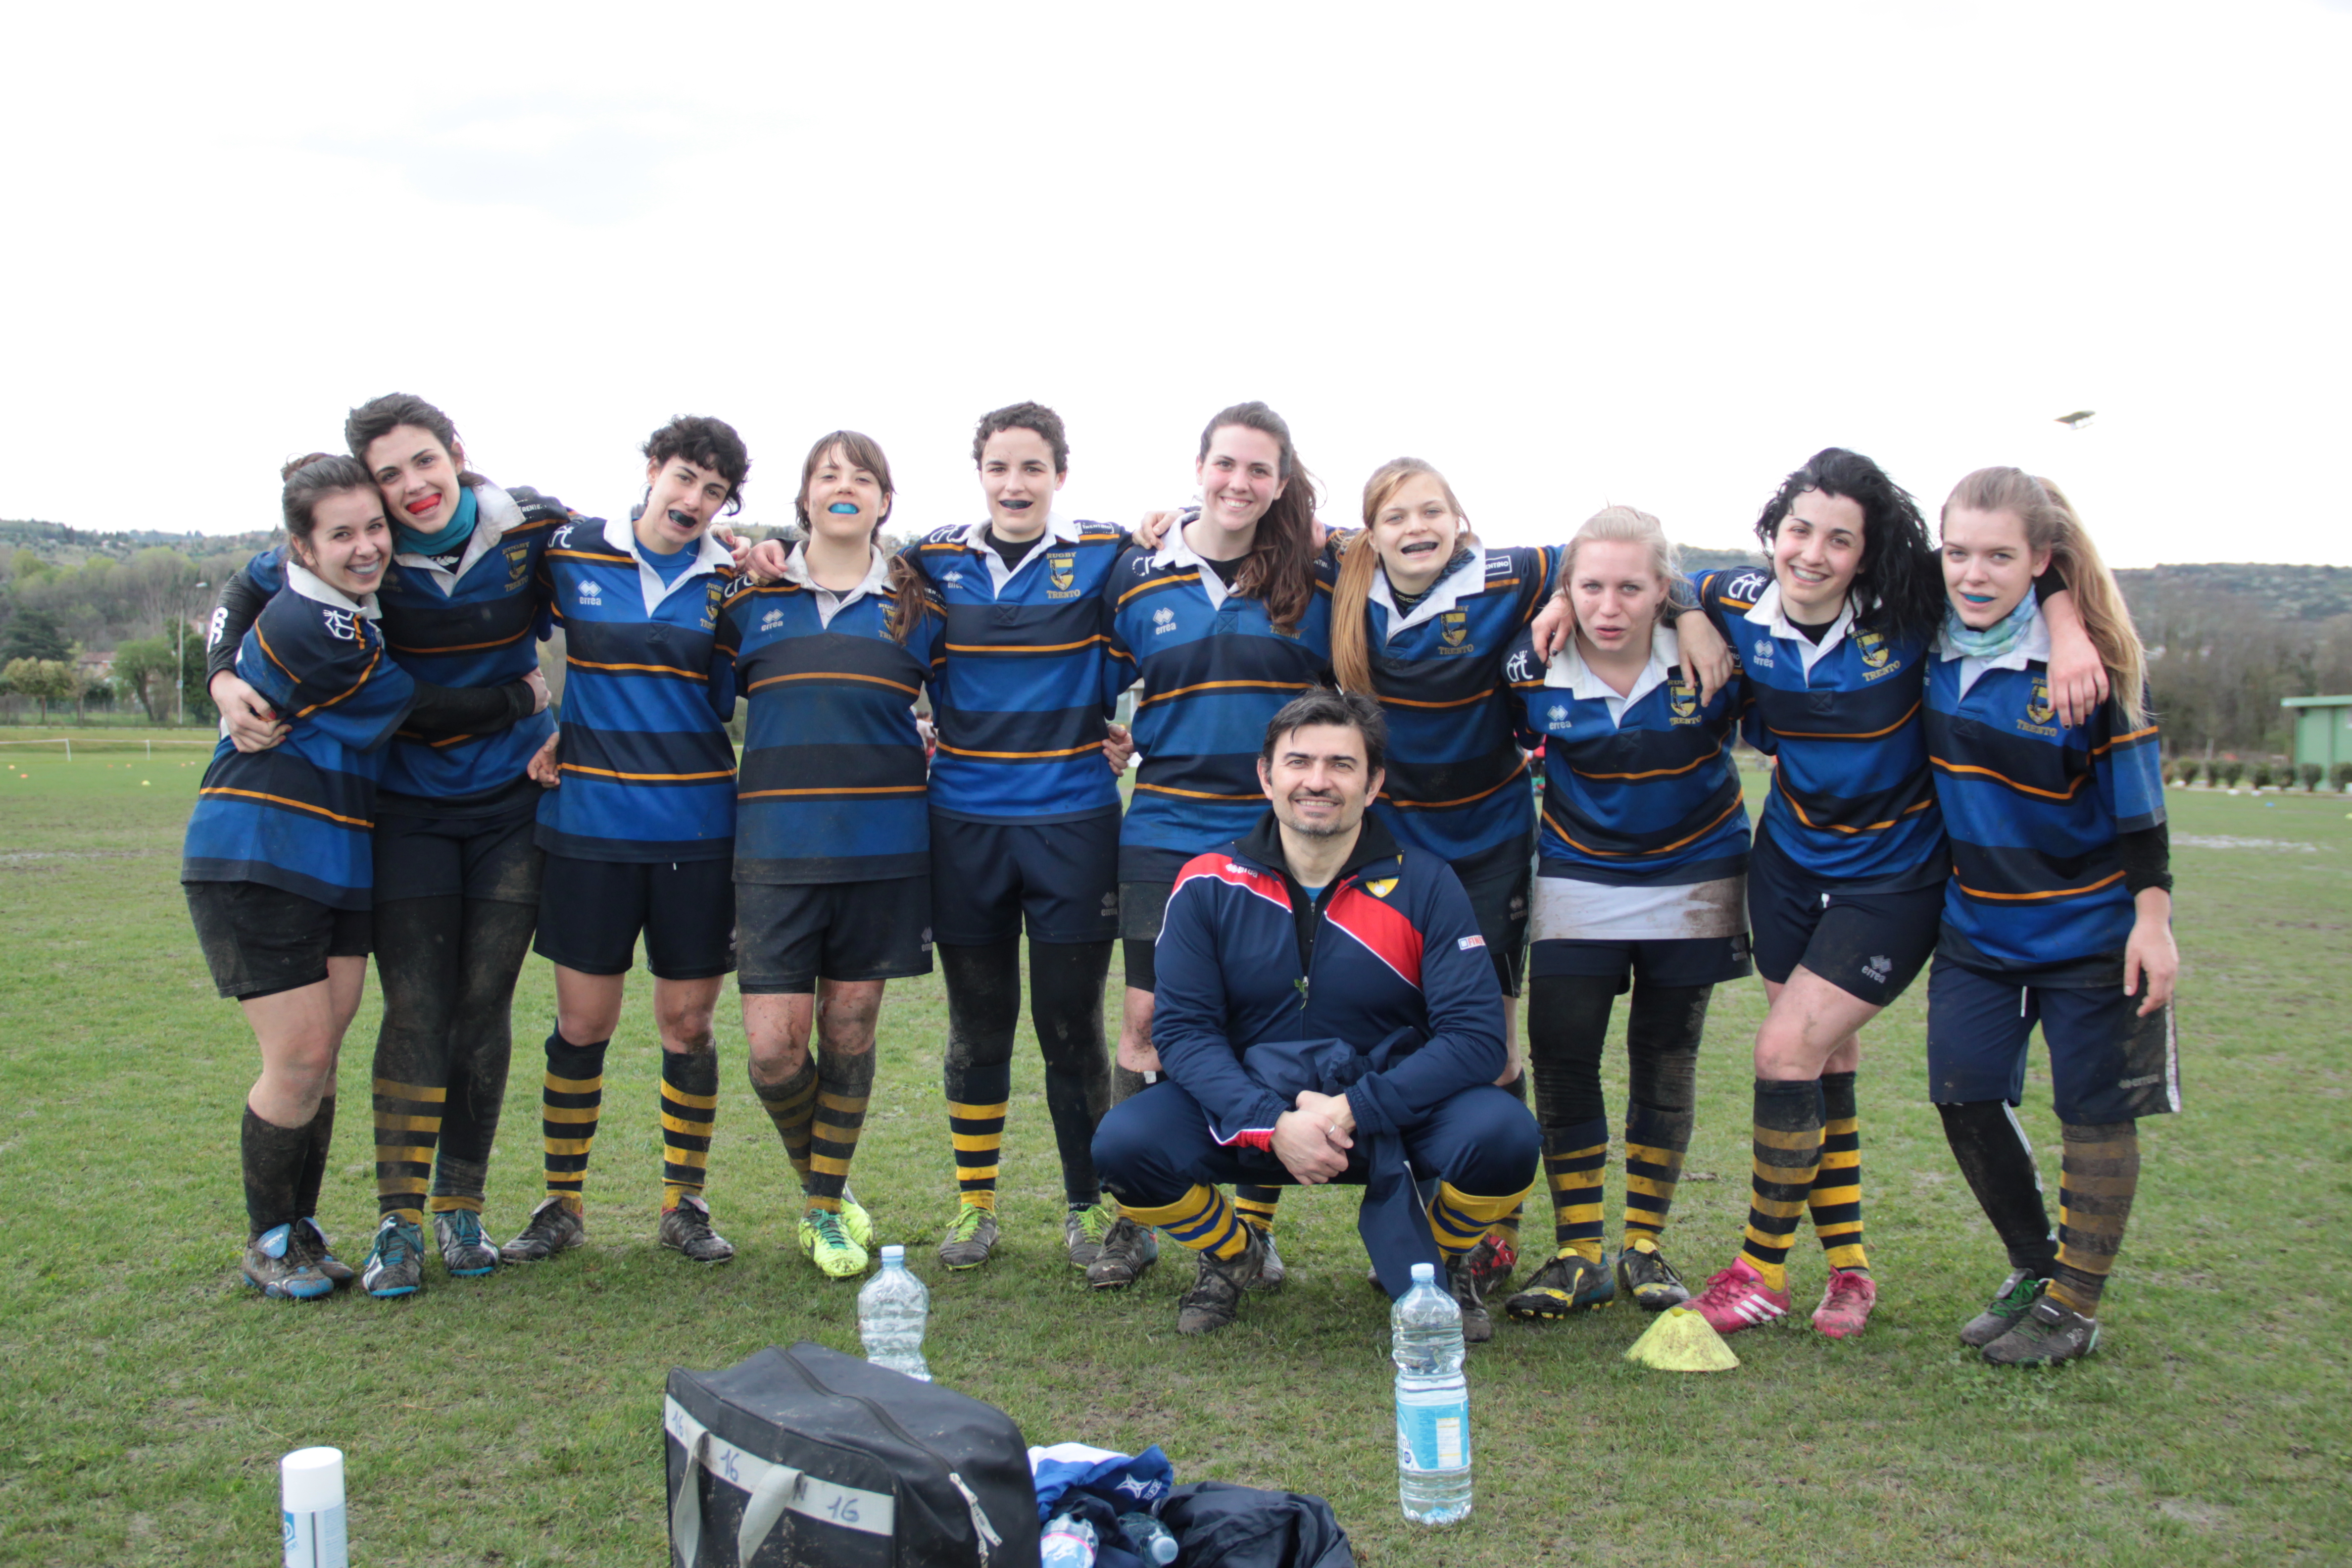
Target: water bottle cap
pixel 311 1481
pixel 893 1254
pixel 1424 1273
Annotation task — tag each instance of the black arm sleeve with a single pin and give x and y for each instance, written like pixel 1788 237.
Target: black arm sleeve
pixel 2052 581
pixel 458 711
pixel 2148 858
pixel 239 606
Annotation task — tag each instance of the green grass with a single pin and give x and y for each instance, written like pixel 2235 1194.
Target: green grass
pixel 511 1421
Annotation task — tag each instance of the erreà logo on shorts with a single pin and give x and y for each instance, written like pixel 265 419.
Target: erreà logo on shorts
pixel 590 593
pixel 1878 969
pixel 1163 621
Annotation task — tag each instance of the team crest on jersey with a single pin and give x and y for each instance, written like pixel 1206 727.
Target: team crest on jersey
pixel 1383 888
pixel 1874 648
pixel 2038 707
pixel 342 626
pixel 1682 699
pixel 1453 626
pixel 518 566
pixel 591 594
pixel 1061 570
pixel 1163 621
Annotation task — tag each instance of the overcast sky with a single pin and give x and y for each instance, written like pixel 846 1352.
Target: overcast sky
pixel 1572 255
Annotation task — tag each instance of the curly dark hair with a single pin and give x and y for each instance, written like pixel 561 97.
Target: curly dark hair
pixel 1899 588
pixel 707 443
pixel 1034 416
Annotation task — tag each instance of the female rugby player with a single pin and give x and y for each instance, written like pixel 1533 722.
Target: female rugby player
pixel 277 866
pixel 456 869
pixel 2058 910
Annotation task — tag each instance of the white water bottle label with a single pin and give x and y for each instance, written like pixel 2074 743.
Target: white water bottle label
pixel 1434 1429
pixel 317 1540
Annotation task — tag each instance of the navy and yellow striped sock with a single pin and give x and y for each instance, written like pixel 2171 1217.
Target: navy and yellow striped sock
pixel 571 1101
pixel 843 1084
pixel 977 1096
pixel 1788 1152
pixel 1203 1219
pixel 1575 1158
pixel 2098 1176
pixel 1655 1143
pixel 407 1125
pixel 1258 1205
pixel 791 1106
pixel 1835 1197
pixel 689 1106
pixel 1460 1220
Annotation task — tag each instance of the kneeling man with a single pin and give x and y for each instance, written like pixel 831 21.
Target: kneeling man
pixel 1325 1012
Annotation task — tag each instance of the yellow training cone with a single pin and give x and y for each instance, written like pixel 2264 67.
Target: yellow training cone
pixel 1681 1341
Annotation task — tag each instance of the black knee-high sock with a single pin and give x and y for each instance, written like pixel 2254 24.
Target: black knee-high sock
pixel 571 1103
pixel 1992 1153
pixel 417 943
pixel 272 1158
pixel 314 1159
pixel 689 1108
pixel 1567 1023
pixel 1066 1006
pixel 843 1084
pixel 1663 1030
pixel 983 986
pixel 481 1047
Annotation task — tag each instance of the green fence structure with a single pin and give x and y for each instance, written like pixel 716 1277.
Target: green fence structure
pixel 2323 729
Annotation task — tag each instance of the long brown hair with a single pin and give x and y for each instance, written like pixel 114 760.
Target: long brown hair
pixel 1279 570
pixel 1351 659
pixel 2051 523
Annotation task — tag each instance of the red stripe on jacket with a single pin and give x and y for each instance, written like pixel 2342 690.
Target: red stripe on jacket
pixel 1382 929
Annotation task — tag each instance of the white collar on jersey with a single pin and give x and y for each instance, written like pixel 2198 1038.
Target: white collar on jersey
pixel 311 586
pixel 796 571
pixel 1568 670
pixel 1768 615
pixel 710 556
pixel 1450 589
pixel 495 512
pixel 1177 550
pixel 1060 529
pixel 2032 647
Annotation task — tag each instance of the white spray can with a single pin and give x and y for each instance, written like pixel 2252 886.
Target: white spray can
pixel 310 1490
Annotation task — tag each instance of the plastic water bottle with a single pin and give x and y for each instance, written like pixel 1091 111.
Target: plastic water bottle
pixel 1432 1403
pixel 1151 1540
pixel 1069 1543
pixel 891 1311
pixel 310 1499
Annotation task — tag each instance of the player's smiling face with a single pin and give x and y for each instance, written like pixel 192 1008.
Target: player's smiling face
pixel 845 502
pixel 350 542
pixel 1017 475
pixel 1816 550
pixel 1240 478
pixel 1614 589
pixel 1415 532
pixel 1989 568
pixel 683 501
pixel 418 475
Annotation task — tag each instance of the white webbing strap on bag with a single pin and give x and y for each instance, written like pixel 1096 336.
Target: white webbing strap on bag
pixel 986 1532
pixel 775 1489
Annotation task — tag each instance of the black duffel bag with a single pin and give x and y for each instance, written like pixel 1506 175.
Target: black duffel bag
pixel 807 1456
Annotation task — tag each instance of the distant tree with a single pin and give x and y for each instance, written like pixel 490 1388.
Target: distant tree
pixel 2312 773
pixel 46 681
pixel 34 635
pixel 2341 775
pixel 2262 777
pixel 2230 771
pixel 143 667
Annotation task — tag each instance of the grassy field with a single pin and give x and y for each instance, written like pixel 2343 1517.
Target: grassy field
pixel 515 1420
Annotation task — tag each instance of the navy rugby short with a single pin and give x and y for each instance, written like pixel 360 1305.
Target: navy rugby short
pixel 788 936
pixel 259 940
pixel 2106 1062
pixel 590 912
pixel 986 877
pixel 1870 943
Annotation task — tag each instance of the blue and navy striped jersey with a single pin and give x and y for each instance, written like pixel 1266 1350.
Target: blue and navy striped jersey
pixel 1851 799
pixel 832 786
pixel 2035 809
pixel 297 817
pixel 1456 778
pixel 1024 697
pixel 478 626
pixel 648 771
pixel 1215 671
pixel 1648 798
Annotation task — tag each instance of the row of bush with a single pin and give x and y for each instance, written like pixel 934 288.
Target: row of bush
pixel 2227 773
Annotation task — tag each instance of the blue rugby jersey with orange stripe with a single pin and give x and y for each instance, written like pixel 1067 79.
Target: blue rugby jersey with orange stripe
pixel 1652 798
pixel 648 686
pixel 477 627
pixel 2035 809
pixel 1396 947
pixel 1456 777
pixel 297 817
pixel 1214 670
pixel 1850 798
pixel 1022 702
pixel 832 786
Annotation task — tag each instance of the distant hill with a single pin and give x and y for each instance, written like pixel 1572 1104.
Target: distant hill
pixel 62 546
pixel 2276 593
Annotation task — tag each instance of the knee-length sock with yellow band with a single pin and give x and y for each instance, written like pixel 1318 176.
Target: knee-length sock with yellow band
pixel 1203 1219
pixel 1460 1220
pixel 1575 1161
pixel 983 987
pixel 1663 1029
pixel 843 1084
pixel 571 1103
pixel 791 1104
pixel 689 1103
pixel 1834 1200
pixel 1567 1023
pixel 407 1126
pixel 1787 1152
pixel 496 938
pixel 1258 1205
pixel 2098 1176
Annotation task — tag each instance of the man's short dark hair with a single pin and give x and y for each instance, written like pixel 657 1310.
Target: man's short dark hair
pixel 1032 416
pixel 707 443
pixel 1348 710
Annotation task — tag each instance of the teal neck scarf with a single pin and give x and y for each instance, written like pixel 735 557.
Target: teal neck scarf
pixel 454 537
pixel 1996 639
